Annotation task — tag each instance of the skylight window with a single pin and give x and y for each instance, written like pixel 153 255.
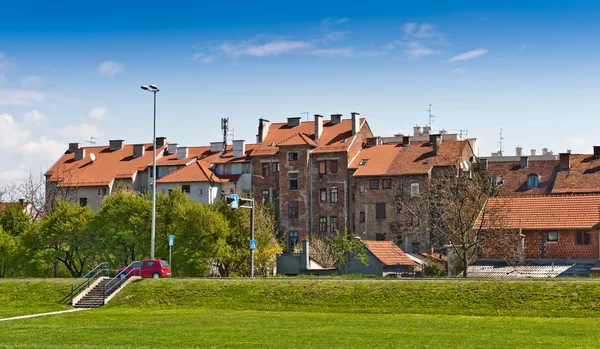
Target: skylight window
pixel 533 181
pixel 363 162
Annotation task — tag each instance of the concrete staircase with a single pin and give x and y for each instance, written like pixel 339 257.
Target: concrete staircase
pixel 94 297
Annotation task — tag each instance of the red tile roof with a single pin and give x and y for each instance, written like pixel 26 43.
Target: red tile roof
pixel 203 153
pixel 582 177
pixel 417 158
pixel 543 212
pixel 515 177
pixel 388 253
pixel 335 137
pixel 196 172
pixel 109 164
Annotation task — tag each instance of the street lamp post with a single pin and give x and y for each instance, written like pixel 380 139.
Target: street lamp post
pixel 154 89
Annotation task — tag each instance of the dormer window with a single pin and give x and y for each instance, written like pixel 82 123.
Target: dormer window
pixel 363 162
pixel 533 181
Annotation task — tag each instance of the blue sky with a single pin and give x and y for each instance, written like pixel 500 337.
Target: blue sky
pixel 71 71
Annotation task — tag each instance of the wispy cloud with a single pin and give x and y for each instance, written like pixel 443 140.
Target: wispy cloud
pixel 420 31
pixel 458 71
pixel 5 65
pixel 21 96
pixel 469 55
pixel 33 117
pixel 12 133
pixel 328 22
pixel 524 47
pixel 82 131
pixel 109 69
pixel 335 52
pixel 263 49
pixel 416 49
pixel 32 81
pixel 203 57
pixel 99 113
pixel 419 40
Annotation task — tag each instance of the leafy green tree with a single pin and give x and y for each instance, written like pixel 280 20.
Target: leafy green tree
pixel 347 248
pixel 170 213
pixel 14 220
pixel 268 246
pixel 237 262
pixel 10 248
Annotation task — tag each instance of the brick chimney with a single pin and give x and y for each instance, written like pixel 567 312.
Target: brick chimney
pixel 263 130
pixel 73 147
pixel 564 160
pixel 79 154
pixel 116 144
pixel 318 126
pixel 355 122
pixel 524 162
pixel 417 130
pixel 519 151
pixel 138 150
pixel 436 141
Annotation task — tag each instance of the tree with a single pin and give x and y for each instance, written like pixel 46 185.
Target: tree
pixel 14 220
pixel 347 248
pixel 265 233
pixel 9 254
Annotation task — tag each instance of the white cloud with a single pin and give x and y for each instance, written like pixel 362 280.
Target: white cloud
pixel 334 52
pixel 524 47
pixel 32 81
pixel 420 40
pixel 270 48
pixel 82 131
pixel 469 55
pixel 327 22
pixel 204 58
pixel 33 117
pixel 13 175
pixel 332 36
pixel 98 113
pixel 10 96
pixel 416 49
pixel 47 148
pixel 420 31
pixel 458 71
pixel 5 65
pixel 109 69
pixel 11 133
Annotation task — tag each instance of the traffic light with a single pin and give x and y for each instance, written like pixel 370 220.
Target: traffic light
pixel 233 201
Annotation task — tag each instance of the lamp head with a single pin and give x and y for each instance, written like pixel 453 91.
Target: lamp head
pixel 144 87
pixel 154 87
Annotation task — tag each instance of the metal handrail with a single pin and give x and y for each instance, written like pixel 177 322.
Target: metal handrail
pixel 92 274
pixel 132 269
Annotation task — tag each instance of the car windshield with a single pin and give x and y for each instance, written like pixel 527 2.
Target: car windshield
pixel 164 263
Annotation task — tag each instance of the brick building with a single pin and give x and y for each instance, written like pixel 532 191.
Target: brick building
pixel 302 167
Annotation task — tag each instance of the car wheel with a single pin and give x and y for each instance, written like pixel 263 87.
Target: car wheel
pixel 155 275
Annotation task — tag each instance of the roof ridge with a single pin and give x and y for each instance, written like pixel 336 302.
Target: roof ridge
pixel 170 174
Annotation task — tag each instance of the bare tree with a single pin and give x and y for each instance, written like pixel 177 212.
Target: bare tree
pixel 451 211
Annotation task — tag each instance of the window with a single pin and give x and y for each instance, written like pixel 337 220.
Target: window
pixel 293 209
pixel 322 167
pixel 333 195
pixel 553 236
pixel 83 202
pixel 380 210
pixel 322 224
pixel 415 190
pixel 265 169
pixel 275 167
pixel 293 237
pixel 186 188
pixel 265 195
pixel 333 166
pixel 363 162
pixel 275 194
pixel 292 156
pixel 323 193
pixel 583 238
pixel 293 179
pixel 386 183
pixel 143 189
pixel 361 217
pixel 533 181
pixel 400 183
pixel 374 184
pixel 102 191
pixel 333 223
pixel 200 192
pixel 164 263
pixel 246 168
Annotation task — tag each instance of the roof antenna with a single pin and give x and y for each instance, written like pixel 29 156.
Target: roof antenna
pixel 501 140
pixel 431 116
pixel 225 128
pixel 92 141
pixel 305 112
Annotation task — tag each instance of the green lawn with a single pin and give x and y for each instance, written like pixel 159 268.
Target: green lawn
pixel 303 313
pixel 30 296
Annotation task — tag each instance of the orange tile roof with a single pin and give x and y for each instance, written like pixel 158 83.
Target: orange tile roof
pixel 196 172
pixel 515 177
pixel 543 212
pixel 582 177
pixel 334 138
pixel 417 158
pixel 109 164
pixel 388 253
pixel 203 153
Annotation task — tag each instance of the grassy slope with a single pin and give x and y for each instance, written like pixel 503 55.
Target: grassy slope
pixel 456 297
pixel 30 296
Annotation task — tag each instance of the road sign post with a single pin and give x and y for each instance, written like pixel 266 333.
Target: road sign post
pixel 171 243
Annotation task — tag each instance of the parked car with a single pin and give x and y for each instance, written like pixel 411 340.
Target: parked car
pixel 148 268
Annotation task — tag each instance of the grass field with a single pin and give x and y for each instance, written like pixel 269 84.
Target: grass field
pixel 30 296
pixel 285 313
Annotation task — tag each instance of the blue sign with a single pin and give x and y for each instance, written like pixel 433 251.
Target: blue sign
pixel 253 244
pixel 235 199
pixel 171 240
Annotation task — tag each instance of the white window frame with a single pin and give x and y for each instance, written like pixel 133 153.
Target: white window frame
pixel 415 190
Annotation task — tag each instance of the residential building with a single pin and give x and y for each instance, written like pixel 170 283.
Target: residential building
pixel 384 259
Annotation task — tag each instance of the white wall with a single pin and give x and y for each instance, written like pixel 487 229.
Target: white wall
pixel 199 191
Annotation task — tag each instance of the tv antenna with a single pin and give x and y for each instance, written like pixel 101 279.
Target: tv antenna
pixel 305 112
pixel 431 116
pixel 92 141
pixel 225 128
pixel 501 140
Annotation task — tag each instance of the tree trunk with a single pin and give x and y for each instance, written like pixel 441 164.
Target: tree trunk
pixel 465 263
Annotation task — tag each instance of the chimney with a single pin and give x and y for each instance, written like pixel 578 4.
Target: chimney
pixel 417 130
pixel 524 162
pixel 161 142
pixel 138 150
pixel 519 151
pixel 115 144
pixel 597 151
pixel 305 261
pixel 532 152
pixel 73 147
pixel 263 130
pixel 294 121
pixel 336 119
pixel 436 141
pixel 405 141
pixel 355 122
pixel 318 126
pixel 182 153
pixel 239 148
pixel 483 163
pixel 215 147
pixel 564 160
pixel 79 154
pixel 426 130
pixel 171 148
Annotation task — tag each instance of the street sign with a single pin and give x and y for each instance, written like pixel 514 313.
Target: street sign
pixel 234 201
pixel 171 240
pixel 253 244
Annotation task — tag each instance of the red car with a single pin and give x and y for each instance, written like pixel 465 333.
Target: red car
pixel 149 268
